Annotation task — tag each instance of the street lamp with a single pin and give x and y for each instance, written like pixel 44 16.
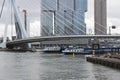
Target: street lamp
pixel 111 27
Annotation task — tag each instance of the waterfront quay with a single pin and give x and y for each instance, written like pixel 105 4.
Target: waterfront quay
pixel 110 61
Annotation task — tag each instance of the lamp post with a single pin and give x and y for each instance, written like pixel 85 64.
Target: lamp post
pixel 111 27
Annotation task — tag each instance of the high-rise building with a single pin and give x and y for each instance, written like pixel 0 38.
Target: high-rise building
pixel 100 20
pixel 63 17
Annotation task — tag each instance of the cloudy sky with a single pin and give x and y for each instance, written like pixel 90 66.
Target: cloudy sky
pixel 33 9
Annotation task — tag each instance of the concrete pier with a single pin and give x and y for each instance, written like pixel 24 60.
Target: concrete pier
pixel 110 62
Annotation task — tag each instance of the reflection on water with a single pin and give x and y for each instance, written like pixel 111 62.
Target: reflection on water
pixel 41 66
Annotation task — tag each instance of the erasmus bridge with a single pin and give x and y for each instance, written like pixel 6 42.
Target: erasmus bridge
pixel 22 32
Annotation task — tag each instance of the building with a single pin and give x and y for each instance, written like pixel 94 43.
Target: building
pixel 100 17
pixel 63 17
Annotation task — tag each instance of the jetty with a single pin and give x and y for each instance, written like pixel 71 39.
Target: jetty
pixel 110 61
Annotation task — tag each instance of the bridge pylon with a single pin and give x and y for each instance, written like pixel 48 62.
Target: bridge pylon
pixel 21 30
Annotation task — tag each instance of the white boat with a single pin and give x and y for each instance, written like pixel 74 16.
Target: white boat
pixel 52 49
pixel 73 50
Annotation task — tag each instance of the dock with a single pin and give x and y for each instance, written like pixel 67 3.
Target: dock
pixel 112 61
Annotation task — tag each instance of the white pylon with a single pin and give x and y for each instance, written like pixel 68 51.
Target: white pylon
pixel 3 44
pixel 19 20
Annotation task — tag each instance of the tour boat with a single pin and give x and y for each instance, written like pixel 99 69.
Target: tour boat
pixel 73 50
pixel 52 49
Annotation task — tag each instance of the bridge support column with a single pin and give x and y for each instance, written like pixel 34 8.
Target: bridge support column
pixel 3 45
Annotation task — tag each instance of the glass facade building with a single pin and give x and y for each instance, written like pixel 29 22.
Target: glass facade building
pixel 63 17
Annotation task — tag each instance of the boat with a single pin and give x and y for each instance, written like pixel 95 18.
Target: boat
pixel 52 49
pixel 102 50
pixel 73 50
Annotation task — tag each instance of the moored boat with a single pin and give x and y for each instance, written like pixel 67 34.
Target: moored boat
pixel 73 50
pixel 52 49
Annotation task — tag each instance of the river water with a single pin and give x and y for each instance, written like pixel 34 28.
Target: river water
pixel 42 66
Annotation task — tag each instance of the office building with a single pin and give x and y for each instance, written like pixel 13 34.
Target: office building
pixel 100 20
pixel 63 17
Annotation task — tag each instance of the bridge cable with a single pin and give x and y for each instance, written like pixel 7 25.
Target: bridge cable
pixel 2 8
pixel 82 16
pixel 60 16
pixel 11 19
